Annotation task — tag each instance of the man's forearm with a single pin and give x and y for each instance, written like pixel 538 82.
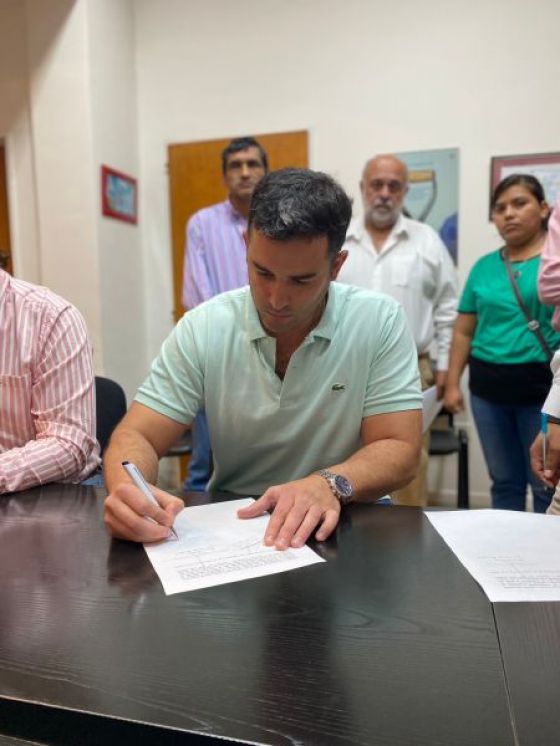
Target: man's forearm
pixel 381 467
pixel 128 445
pixel 458 359
pixel 40 462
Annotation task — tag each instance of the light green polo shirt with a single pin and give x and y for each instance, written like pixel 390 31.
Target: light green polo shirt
pixel 360 360
pixel 501 334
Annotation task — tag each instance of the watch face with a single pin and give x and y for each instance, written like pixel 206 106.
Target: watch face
pixel 343 486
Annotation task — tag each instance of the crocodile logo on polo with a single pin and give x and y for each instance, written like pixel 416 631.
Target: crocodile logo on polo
pixel 338 387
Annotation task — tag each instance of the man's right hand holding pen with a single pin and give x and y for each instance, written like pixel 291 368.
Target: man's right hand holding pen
pixel 126 510
pixel 545 451
pixel 127 507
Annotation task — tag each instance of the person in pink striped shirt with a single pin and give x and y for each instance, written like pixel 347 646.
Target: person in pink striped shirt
pixel 216 261
pixel 47 396
pixel 549 293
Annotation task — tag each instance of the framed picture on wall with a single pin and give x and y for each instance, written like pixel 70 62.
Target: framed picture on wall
pixel 433 192
pixel 119 195
pixel 544 166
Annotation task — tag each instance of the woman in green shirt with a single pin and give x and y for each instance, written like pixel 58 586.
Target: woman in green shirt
pixel 509 375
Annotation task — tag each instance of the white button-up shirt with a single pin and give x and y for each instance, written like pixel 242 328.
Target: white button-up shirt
pixel 414 267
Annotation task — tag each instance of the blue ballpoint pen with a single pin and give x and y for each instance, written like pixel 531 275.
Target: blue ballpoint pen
pixel 544 431
pixel 134 473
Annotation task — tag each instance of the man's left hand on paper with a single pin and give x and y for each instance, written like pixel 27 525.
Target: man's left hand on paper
pixel 298 508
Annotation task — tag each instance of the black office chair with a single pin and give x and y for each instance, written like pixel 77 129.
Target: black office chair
pixel 449 440
pixel 110 408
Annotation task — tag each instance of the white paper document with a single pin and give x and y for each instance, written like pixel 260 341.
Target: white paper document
pixel 514 556
pixel 216 547
pixel 430 407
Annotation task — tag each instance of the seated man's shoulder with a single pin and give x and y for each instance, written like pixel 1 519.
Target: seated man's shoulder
pixel 220 307
pixel 219 321
pixel 356 297
pixel 367 319
pixel 39 297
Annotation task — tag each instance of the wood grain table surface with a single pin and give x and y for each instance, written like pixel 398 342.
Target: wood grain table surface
pixel 388 642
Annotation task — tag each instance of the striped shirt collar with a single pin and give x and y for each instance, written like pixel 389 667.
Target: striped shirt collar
pixel 234 214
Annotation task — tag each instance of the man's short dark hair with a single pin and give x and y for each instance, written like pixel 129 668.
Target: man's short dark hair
pixel 299 203
pixel 242 143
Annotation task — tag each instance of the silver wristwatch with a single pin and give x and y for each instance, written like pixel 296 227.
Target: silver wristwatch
pixel 340 486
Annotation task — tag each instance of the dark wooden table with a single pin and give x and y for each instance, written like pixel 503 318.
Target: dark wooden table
pixel 529 636
pixel 388 642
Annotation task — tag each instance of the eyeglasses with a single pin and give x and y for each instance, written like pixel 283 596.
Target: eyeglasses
pixel 394 186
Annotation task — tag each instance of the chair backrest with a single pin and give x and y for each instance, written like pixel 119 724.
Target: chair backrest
pixel 110 408
pixel 447 440
pixel 449 416
pixel 443 435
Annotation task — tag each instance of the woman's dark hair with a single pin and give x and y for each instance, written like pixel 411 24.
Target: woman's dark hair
pixel 531 184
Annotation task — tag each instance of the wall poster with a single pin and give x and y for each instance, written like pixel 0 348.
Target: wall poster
pixel 433 194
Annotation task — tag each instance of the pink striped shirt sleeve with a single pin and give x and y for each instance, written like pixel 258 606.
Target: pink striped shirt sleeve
pixel 47 396
pixel 549 273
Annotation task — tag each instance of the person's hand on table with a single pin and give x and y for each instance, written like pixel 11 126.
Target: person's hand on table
pixel 126 508
pixel 548 473
pixel 298 508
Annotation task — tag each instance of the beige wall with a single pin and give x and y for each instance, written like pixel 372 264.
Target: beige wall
pixel 115 143
pixel 59 96
pixel 15 130
pixel 67 105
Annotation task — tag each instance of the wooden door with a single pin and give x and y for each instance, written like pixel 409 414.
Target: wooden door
pixel 5 246
pixel 195 181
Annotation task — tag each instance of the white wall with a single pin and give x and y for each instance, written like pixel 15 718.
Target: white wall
pixel 363 76
pixel 114 116
pixel 61 141
pixel 67 105
pixel 15 130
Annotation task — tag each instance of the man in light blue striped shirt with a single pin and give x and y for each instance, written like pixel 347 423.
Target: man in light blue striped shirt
pixel 215 261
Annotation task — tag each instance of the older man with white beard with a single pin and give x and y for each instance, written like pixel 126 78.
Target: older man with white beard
pixel 393 254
